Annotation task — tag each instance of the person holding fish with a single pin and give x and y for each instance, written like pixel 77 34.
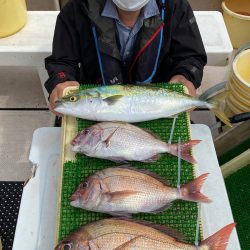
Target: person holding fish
pixel 125 41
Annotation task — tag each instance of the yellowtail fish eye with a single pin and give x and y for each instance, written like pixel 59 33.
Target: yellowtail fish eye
pixel 73 98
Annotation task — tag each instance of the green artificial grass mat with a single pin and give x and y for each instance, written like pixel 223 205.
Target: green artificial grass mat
pixel 234 152
pixel 238 189
pixel 181 216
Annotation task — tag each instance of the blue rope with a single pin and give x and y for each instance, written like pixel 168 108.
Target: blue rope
pixel 149 80
pixel 98 55
pixel 157 57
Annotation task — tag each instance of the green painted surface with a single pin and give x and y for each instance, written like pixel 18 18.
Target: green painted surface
pixel 181 216
pixel 238 188
pixel 228 156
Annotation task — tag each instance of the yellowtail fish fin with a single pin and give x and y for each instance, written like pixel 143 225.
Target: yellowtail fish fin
pixel 191 191
pixel 219 240
pixel 118 160
pixel 221 96
pixel 221 115
pixel 185 150
pixel 119 122
pixel 117 196
pixel 129 244
pixel 147 172
pixel 214 105
pixel 112 99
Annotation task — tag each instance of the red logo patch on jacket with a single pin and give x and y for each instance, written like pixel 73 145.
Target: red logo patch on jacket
pixel 61 75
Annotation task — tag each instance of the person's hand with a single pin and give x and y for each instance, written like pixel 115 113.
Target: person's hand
pixel 57 94
pixel 182 79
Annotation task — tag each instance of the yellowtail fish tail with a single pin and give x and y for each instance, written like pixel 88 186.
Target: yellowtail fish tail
pixel 219 240
pixel 191 191
pixel 220 114
pixel 185 150
pixel 215 107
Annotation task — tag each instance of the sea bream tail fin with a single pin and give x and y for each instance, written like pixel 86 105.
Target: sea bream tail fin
pixel 185 147
pixel 191 190
pixel 219 240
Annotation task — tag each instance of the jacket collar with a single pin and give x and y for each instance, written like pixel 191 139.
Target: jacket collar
pixel 106 27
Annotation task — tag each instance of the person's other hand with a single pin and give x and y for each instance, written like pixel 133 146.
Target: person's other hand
pixel 182 79
pixel 57 94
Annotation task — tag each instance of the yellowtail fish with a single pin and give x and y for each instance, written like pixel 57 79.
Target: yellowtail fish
pixel 121 234
pixel 122 191
pixel 120 142
pixel 131 103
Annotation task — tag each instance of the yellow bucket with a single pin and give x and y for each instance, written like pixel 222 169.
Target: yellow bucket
pixel 13 16
pixel 239 84
pixel 237 18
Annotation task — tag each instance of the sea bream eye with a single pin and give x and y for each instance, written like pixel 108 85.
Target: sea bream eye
pixel 67 246
pixel 84 184
pixel 86 131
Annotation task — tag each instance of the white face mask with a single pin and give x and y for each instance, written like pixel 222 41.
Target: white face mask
pixel 130 5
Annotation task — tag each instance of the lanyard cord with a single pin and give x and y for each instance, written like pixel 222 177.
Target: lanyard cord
pixel 157 57
pixel 149 80
pixel 98 55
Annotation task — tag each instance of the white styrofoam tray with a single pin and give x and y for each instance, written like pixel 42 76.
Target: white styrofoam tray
pixel 36 225
pixel 215 37
pixel 38 211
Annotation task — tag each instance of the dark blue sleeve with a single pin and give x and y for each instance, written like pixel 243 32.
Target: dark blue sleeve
pixel 186 50
pixel 63 64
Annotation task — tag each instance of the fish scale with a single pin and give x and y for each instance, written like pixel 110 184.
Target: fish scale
pixel 119 182
pixel 121 141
